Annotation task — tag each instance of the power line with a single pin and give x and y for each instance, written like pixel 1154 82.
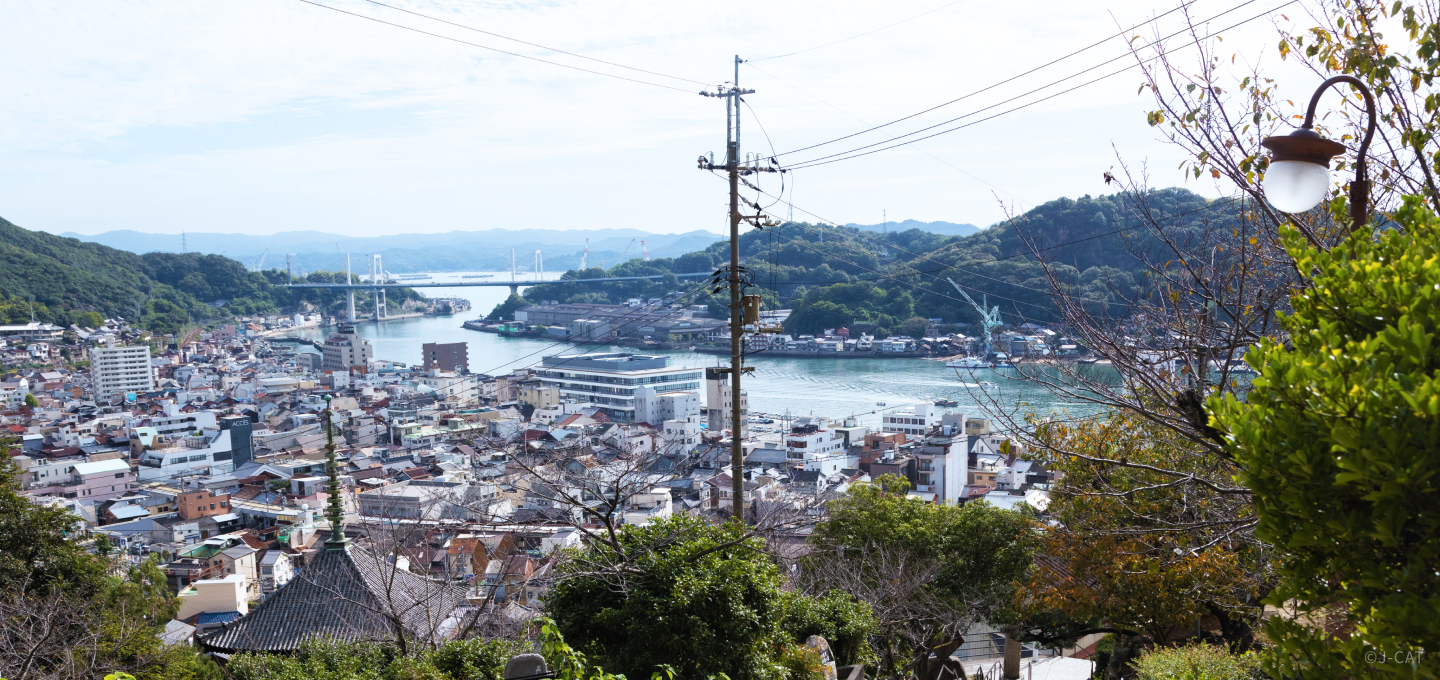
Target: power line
pixel 492 49
pixel 861 35
pixel 862 122
pixel 523 42
pixel 1016 77
pixel 840 156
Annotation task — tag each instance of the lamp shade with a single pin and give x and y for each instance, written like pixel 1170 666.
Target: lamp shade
pixel 1296 186
pixel 1299 171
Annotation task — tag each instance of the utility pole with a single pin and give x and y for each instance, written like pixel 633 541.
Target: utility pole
pixel 733 277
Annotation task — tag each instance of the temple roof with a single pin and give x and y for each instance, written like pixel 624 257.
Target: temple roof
pixel 349 595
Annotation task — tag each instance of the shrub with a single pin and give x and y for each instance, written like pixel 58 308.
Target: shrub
pixel 1197 662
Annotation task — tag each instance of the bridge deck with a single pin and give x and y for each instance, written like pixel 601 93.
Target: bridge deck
pixel 462 284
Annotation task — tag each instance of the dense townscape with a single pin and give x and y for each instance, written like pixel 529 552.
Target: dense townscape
pixel 1150 435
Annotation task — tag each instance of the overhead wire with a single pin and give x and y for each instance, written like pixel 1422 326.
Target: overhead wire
pixel 863 122
pixel 861 150
pixel 524 42
pixel 1002 82
pixel 492 49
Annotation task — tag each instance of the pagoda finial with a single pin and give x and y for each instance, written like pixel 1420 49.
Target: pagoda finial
pixel 336 510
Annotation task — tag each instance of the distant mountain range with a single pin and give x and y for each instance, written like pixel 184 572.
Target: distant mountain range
pixel 940 228
pixel 487 250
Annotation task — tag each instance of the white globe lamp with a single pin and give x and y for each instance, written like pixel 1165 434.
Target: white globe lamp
pixel 1299 171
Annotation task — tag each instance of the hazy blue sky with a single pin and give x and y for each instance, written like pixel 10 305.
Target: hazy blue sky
pixel 271 115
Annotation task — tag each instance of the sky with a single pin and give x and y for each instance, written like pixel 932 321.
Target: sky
pixel 274 115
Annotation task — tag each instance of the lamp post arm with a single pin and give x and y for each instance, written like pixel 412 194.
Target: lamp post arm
pixel 1360 187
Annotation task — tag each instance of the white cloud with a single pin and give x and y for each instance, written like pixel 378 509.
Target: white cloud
pixel 274 114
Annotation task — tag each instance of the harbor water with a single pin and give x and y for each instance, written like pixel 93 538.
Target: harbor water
pixel 834 388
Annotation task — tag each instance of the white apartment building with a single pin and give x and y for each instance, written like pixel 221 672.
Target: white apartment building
pixel 657 407
pixel 817 447
pixel 718 404
pixel 176 421
pixel 345 349
pixel 207 453
pixel 117 371
pixel 610 380
pixel 943 461
pixel 916 419
pixel 681 434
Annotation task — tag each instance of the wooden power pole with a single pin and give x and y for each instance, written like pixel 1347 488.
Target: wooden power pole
pixel 733 276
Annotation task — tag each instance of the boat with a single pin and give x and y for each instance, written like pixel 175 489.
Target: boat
pixel 987 385
pixel 966 362
pixel 477 276
pixel 879 403
pixel 1004 365
pixel 946 402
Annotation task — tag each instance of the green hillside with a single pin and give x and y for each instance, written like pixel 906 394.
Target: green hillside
pixel 65 280
pixel 841 276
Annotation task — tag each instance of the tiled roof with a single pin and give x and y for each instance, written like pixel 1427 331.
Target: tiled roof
pixel 345 594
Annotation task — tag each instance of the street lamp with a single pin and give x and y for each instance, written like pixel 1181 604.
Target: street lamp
pixel 1299 171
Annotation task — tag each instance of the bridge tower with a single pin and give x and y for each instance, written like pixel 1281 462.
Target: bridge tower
pixel 377 275
pixel 349 293
pixel 514 287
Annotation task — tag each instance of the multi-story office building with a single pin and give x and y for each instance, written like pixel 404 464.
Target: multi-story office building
pixel 446 356
pixel 345 349
pixel 117 371
pixel 610 380
pixel 915 420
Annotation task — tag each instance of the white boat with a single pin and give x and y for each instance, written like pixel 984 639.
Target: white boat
pixel 966 362
pixel 988 386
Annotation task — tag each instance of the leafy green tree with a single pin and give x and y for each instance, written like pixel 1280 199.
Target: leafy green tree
pixel 66 614
pixel 914 327
pixel 679 593
pixel 1338 441
pixel 928 571
pixel 1112 559
pixel 40 555
pixel 844 622
pixel 505 311
pixel 31 401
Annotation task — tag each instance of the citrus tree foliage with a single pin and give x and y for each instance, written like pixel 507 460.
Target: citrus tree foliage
pixel 928 571
pixel 680 594
pixel 1339 440
pixel 1132 549
pixel 1197 662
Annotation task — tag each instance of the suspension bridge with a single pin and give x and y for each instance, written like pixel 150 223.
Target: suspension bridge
pixel 380 280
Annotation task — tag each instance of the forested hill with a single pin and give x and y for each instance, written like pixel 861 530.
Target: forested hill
pixel 841 276
pixel 65 280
